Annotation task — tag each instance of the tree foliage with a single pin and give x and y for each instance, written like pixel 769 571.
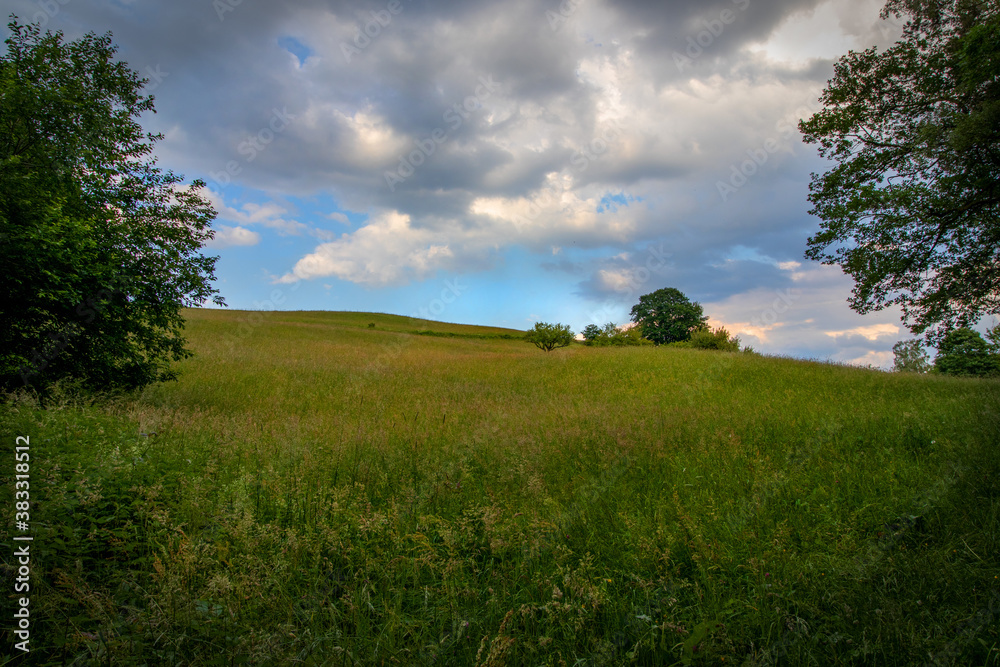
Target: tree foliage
pixel 667 316
pixel 964 352
pixel 912 210
pixel 591 332
pixel 909 357
pixel 99 246
pixel 612 334
pixel 548 337
pixel 993 336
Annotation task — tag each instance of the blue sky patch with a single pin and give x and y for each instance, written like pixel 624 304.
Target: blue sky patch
pixel 295 47
pixel 611 202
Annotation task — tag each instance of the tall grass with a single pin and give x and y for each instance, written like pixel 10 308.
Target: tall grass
pixel 318 491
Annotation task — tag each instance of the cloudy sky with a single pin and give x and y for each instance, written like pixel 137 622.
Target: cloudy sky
pixel 502 162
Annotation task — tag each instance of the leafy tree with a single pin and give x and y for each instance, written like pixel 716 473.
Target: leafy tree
pixel 993 336
pixel 910 357
pixel 964 352
pixel 100 248
pixel 715 339
pixel 548 337
pixel 667 316
pixel 911 211
pixel 591 332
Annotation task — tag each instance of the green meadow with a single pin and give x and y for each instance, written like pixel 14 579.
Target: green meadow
pixel 359 489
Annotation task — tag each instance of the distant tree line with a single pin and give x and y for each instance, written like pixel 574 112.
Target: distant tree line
pixel 663 317
pixel 667 317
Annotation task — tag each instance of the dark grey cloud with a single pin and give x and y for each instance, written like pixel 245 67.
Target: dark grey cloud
pixel 707 34
pixel 225 73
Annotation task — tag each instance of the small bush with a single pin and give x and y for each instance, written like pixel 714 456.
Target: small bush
pixel 612 334
pixel 630 336
pixel 715 339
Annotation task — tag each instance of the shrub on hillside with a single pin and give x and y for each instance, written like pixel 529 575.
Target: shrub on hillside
pixel 964 352
pixel 715 339
pixel 630 336
pixel 612 334
pixel 548 337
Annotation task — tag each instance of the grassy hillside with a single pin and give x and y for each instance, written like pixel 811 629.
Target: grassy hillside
pixel 247 321
pixel 317 491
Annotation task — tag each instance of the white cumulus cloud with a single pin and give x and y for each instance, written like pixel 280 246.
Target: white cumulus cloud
pixel 388 250
pixel 226 236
